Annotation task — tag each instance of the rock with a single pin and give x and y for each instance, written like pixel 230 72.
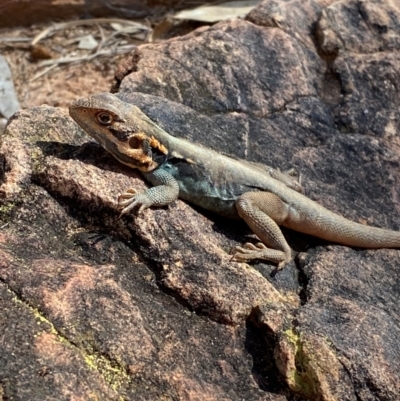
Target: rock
pixel 151 306
pixel 296 18
pixel 88 306
pixel 360 27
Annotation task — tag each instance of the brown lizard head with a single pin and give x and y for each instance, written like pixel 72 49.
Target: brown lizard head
pixel 122 129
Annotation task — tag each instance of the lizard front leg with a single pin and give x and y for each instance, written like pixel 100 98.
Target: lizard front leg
pixel 263 211
pixel 164 192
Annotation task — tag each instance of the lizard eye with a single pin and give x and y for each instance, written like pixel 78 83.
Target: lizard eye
pixel 135 143
pixel 104 118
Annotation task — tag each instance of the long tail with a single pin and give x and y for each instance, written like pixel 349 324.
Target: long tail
pixel 327 225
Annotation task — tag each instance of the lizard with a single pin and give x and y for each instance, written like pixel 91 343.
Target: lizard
pixel 264 198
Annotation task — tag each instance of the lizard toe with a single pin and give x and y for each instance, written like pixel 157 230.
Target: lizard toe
pixel 139 200
pixel 249 252
pixel 127 198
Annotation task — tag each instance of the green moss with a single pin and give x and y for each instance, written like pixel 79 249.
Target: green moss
pixel 37 160
pixel 113 374
pixel 303 379
pixel 6 209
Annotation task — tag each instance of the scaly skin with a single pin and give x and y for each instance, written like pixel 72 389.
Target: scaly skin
pixel 265 198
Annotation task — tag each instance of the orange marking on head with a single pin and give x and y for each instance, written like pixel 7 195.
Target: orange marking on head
pixel 155 143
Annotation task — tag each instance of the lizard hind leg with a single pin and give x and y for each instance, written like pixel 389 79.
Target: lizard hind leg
pixel 263 211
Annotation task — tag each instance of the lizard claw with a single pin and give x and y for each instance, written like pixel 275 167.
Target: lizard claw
pixel 131 199
pixel 250 251
pixel 127 197
pixel 126 201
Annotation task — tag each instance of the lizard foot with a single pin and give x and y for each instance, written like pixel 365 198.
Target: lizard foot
pixel 131 199
pixel 250 251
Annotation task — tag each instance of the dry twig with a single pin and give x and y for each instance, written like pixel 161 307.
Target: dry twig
pixel 104 48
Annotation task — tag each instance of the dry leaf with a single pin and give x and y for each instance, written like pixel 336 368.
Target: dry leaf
pixel 219 12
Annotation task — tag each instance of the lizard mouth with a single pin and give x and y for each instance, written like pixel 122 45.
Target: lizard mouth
pixel 118 132
pixel 139 150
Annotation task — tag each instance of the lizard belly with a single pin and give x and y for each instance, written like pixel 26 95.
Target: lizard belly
pixel 198 187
